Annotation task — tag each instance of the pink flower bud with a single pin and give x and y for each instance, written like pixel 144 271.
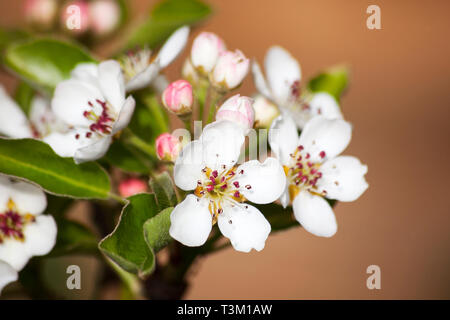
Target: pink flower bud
pixel 231 68
pixel 41 13
pixel 178 98
pixel 75 17
pixel 104 16
pixel 132 186
pixel 265 112
pixel 168 147
pixel 239 110
pixel 205 51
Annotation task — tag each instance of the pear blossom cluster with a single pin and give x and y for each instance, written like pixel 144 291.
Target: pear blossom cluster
pixel 302 173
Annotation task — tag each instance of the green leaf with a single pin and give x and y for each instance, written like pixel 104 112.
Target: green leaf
pixel 127 158
pixel 35 161
pixel 44 62
pixel 126 245
pixel 165 18
pixel 164 190
pixel 333 81
pixel 156 231
pixel 73 237
pixel 23 96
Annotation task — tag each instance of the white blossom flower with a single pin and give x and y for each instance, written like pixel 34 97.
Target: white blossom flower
pixel 93 103
pixel 7 275
pixel 315 170
pixel 24 231
pixel 209 166
pixel 140 68
pixel 283 87
pixel 14 123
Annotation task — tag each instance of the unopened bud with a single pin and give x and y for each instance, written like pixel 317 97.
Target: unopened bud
pixel 41 13
pixel 230 70
pixel 178 97
pixel 168 147
pixel 239 110
pixel 132 186
pixel 205 51
pixel 104 17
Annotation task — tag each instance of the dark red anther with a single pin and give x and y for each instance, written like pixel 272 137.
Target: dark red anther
pixel 236 184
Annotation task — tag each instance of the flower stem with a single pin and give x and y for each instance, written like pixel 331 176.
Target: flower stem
pixel 140 144
pixel 214 98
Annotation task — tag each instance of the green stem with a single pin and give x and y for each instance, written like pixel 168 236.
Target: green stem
pixel 140 144
pixel 213 100
pixel 132 283
pixel 117 198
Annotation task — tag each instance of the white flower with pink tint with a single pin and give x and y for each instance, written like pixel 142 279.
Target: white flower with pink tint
pixel 104 16
pixel 168 147
pixel 178 97
pixel 93 103
pixel 315 170
pixel 238 110
pixel 41 13
pixel 221 187
pixel 230 70
pixel 141 68
pixel 282 86
pixel 205 51
pixel 132 186
pixel 24 231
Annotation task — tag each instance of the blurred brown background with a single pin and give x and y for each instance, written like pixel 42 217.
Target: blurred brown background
pixel 398 102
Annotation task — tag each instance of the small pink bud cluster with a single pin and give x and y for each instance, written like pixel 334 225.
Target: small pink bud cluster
pixel 209 56
pixel 178 97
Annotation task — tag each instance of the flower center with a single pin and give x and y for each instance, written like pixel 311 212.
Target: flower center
pixel 99 114
pixel 221 188
pixel 12 224
pixel 135 62
pixel 303 173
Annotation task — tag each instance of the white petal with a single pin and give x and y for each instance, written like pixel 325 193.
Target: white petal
pixel 245 226
pixel 321 134
pixel 5 192
pixel 144 78
pixel 282 71
pixel 285 198
pixel 188 166
pixel 13 121
pixel 343 178
pixel 191 222
pixel 94 150
pixel 260 80
pixel 283 138
pixel 71 98
pixel 7 275
pixel 40 236
pixel 267 181
pixel 173 46
pixel 65 144
pixel 112 84
pixel 125 115
pixel 86 72
pixel 14 253
pixel 222 143
pixel 28 198
pixel 324 104
pixel 40 107
pixel 314 214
